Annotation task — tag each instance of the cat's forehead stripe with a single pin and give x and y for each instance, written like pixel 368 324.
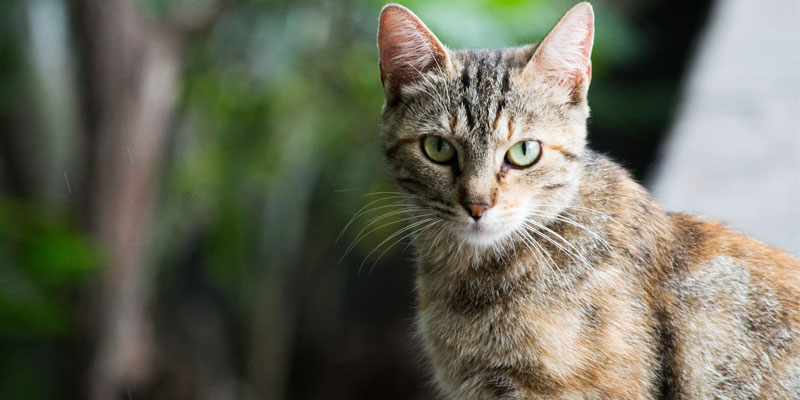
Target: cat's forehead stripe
pixel 467 110
pixel 506 81
pixel 485 79
pixel 465 74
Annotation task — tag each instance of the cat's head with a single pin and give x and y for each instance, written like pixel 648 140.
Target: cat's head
pixel 487 141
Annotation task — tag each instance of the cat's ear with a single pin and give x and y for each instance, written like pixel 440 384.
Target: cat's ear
pixel 407 47
pixel 564 56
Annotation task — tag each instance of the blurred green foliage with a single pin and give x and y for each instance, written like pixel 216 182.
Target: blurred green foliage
pixel 41 258
pixel 44 260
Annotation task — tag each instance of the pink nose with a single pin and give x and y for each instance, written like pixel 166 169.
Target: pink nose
pixel 476 210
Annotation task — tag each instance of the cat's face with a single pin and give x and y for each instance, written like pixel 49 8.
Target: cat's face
pixel 488 142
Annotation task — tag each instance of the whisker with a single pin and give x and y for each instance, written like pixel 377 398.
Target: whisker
pixel 532 244
pixel 572 254
pixel 569 221
pixel 570 206
pixel 436 238
pixel 407 195
pixel 362 211
pixel 399 232
pixel 562 217
pixel 415 232
pixel 361 235
pixel 419 233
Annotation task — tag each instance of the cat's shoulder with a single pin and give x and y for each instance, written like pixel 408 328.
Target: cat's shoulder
pixel 602 168
pixel 705 247
pixel 605 178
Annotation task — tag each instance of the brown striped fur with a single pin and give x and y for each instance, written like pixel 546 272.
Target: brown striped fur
pixel 575 284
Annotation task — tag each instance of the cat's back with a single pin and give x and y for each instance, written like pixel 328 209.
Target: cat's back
pixel 731 316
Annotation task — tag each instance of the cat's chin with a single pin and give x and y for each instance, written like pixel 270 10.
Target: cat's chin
pixel 482 234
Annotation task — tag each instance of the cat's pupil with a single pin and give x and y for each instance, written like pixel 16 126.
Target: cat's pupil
pixel 439 145
pixel 524 148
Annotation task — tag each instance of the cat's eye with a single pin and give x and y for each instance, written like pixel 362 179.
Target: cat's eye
pixel 438 149
pixel 525 153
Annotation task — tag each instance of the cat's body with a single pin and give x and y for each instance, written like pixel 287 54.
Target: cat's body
pixel 562 278
pixel 675 305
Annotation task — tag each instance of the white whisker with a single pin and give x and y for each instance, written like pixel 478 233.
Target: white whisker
pixel 576 255
pixel 361 235
pixel 572 222
pixel 364 210
pixel 414 232
pixel 399 232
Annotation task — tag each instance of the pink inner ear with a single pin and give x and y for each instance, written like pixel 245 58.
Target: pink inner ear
pixel 575 76
pixel 406 45
pixel 566 51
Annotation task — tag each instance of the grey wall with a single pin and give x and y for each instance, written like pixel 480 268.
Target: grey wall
pixel 734 151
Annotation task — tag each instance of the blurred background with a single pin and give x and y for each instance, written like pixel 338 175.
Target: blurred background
pixel 176 175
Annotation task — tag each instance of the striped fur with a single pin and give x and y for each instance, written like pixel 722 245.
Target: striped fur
pixel 574 283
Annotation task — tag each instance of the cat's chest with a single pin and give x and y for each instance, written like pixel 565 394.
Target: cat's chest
pixel 473 329
pixel 532 335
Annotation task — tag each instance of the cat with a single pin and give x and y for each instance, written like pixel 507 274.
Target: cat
pixel 543 269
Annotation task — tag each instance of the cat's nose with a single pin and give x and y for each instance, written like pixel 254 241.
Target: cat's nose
pixel 476 209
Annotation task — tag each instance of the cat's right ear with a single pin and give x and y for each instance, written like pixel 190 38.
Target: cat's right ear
pixel 407 48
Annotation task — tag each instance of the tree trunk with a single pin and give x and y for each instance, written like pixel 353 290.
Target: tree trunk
pixel 129 68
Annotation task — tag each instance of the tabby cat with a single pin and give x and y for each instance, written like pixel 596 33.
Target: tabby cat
pixel 544 270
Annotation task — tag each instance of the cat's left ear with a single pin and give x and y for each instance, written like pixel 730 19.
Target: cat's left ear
pixel 564 56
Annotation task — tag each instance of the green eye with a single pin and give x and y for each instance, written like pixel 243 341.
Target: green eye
pixel 438 149
pixel 524 154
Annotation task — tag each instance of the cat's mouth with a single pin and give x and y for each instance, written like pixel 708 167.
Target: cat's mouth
pixel 483 233
pixel 480 228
